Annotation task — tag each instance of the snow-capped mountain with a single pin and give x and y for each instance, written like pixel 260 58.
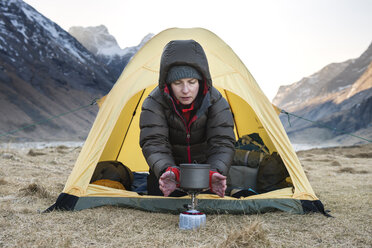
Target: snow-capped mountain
pixel 333 78
pixel 44 71
pixel 102 44
pixel 338 96
pixel 97 40
pixel 292 97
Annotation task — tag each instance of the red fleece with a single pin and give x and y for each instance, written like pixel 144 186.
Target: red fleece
pixel 186 112
pixel 210 179
pixel 176 173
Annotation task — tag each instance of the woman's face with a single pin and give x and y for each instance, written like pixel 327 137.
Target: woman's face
pixel 185 90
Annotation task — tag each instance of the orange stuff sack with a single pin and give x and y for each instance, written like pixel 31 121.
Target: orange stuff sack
pixel 109 183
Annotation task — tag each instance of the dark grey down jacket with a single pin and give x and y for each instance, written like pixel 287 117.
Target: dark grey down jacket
pixel 166 139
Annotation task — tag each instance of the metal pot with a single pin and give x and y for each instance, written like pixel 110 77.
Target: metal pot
pixel 194 176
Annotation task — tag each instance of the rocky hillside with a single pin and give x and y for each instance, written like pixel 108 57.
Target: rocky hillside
pixel 338 96
pixel 105 47
pixel 44 71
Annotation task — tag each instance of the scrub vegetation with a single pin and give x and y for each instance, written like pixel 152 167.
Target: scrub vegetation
pixel 31 180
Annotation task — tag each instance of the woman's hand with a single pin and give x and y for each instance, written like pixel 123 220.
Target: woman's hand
pixel 218 183
pixel 167 183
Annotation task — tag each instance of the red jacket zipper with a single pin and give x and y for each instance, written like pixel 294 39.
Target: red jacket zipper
pixel 187 130
pixel 188 137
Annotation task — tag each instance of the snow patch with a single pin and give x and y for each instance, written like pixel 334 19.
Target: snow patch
pixel 2 23
pixel 360 70
pixel 20 28
pixel 52 28
pixel 110 51
pixel 45 23
pixel 313 79
pixel 305 92
pixel 343 87
pixel 304 147
pixel 40 145
pixel 3 41
pixel 74 52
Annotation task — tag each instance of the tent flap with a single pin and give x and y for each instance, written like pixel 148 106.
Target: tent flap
pixel 64 202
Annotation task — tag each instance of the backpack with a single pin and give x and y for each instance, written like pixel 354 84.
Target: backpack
pixel 112 174
pixel 272 174
pixel 251 142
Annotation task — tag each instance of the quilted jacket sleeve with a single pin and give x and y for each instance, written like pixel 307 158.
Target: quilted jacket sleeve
pixel 154 136
pixel 220 136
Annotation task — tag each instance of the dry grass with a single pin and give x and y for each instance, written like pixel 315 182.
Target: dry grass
pixel 352 170
pixel 341 177
pixel 246 236
pixel 34 153
pixel 35 190
pixel 2 181
pixel 335 163
pixel 360 155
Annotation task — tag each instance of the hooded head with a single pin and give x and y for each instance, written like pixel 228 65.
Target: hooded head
pixel 183 59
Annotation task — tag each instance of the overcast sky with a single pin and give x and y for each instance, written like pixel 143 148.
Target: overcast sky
pixel 279 41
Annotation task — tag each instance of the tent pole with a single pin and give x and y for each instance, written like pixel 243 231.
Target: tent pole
pixel 236 126
pixel 130 123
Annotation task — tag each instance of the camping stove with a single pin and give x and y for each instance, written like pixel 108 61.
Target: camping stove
pixel 192 218
pixel 194 179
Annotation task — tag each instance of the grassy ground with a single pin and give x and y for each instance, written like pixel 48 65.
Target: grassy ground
pixel 31 180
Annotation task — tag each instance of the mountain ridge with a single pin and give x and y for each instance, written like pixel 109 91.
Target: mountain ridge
pixel 337 96
pixel 104 46
pixel 44 72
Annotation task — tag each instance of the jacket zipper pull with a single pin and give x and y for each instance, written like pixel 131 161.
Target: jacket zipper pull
pixel 188 147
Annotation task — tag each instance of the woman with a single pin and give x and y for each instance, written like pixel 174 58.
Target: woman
pixel 185 120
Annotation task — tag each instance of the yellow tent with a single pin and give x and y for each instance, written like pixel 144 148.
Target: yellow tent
pixel 115 134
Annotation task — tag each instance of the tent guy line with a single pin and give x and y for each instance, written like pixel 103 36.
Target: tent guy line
pixel 319 124
pixel 53 117
pixel 95 100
